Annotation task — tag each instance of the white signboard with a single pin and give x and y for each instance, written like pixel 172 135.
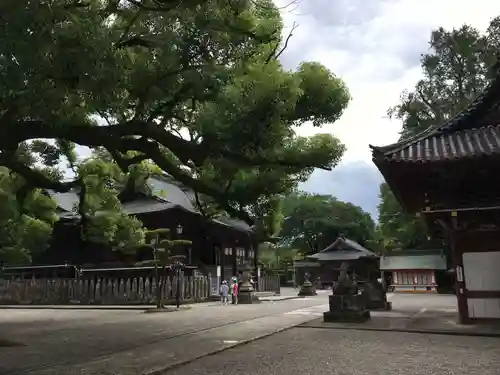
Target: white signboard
pixel 460 274
pixel 219 274
pixel 258 271
pixel 214 287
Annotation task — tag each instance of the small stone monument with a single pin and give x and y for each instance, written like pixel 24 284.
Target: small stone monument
pixel 346 303
pixel 307 288
pixel 376 296
pixel 246 294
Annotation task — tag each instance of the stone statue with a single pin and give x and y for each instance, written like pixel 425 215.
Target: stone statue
pixel 307 288
pixel 376 296
pixel 344 284
pixel 346 304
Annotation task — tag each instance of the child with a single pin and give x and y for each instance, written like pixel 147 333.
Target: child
pixel 224 292
pixel 234 291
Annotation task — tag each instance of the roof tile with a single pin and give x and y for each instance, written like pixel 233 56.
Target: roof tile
pixel 460 144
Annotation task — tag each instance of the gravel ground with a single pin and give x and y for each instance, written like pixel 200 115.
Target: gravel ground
pixel 314 351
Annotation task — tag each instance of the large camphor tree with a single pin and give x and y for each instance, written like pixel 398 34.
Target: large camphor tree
pixel 193 88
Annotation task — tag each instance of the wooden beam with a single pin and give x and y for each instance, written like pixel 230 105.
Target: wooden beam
pixel 466 209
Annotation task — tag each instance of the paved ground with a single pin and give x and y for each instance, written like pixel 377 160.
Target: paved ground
pixel 411 313
pixel 318 352
pixel 129 342
pixel 55 338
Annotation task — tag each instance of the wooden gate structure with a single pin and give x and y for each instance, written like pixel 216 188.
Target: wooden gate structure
pixel 450 175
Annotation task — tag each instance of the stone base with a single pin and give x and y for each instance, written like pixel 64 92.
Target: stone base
pixel 379 305
pixel 307 290
pixel 356 302
pixel 247 298
pixel 346 316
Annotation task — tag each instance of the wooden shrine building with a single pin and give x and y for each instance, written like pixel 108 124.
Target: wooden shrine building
pixel 224 242
pixel 414 271
pixel 325 264
pixel 450 175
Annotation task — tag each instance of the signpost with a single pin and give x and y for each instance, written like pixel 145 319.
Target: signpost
pixel 219 275
pixel 258 279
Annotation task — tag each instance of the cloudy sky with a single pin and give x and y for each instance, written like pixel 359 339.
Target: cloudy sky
pixel 375 46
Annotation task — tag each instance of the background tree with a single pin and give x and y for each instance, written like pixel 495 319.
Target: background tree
pixel 399 230
pixel 459 64
pixel 312 222
pixel 196 87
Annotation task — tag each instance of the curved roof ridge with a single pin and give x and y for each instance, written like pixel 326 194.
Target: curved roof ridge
pixel 398 146
pixel 479 105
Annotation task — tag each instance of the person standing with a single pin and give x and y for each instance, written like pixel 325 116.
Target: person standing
pixel 234 291
pixel 224 292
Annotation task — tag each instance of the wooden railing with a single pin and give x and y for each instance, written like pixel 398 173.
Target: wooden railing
pixel 106 291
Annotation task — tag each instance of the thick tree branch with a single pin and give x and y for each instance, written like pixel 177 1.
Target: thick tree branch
pixel 123 137
pixel 34 177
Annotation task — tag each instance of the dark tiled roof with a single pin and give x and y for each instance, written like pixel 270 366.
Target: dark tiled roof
pixel 413 262
pixel 337 255
pixel 166 194
pixel 469 133
pixel 343 249
pixel 453 145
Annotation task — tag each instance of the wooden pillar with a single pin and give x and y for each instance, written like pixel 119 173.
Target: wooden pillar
pixel 233 260
pixel 255 256
pixel 457 251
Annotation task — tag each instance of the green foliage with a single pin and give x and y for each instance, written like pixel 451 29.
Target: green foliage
pixel 399 230
pixel 277 257
pixel 104 220
pixel 26 229
pixel 160 243
pixel 312 222
pixel 193 86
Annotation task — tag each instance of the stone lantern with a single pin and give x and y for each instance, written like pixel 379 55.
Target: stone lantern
pixel 246 293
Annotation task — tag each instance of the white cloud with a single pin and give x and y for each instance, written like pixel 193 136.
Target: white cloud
pixel 376 50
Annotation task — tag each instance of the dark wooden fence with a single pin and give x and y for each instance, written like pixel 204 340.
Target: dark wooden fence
pixel 106 291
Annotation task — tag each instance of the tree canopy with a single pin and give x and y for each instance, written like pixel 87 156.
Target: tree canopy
pixel 461 61
pixel 312 222
pixel 459 64
pixel 195 87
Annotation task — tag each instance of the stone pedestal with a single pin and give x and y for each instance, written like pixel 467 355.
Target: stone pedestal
pixel 246 294
pixel 307 289
pixel 376 297
pixel 347 308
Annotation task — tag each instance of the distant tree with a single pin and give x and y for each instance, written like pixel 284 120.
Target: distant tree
pixel 312 222
pixel 399 230
pixel 455 70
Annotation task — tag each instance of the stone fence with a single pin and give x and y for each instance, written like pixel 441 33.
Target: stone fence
pixel 105 291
